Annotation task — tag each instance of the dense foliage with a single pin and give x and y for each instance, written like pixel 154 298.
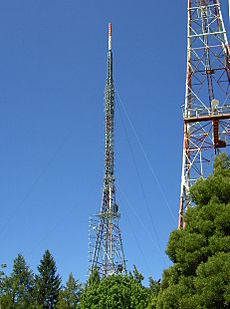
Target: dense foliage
pixel 200 276
pixel 116 292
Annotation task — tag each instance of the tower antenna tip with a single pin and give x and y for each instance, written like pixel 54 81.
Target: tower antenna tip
pixel 110 29
pixel 110 36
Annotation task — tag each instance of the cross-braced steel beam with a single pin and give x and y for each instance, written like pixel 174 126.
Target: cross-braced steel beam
pixel 207 101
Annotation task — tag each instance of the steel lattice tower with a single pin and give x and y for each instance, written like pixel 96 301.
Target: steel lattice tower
pixel 207 101
pixel 107 253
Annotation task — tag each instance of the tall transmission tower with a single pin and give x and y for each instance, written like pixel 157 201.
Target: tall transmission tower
pixel 107 253
pixel 207 100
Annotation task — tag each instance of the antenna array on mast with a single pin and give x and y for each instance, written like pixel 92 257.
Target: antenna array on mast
pixel 106 248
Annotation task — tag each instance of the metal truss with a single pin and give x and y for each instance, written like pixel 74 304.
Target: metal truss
pixel 106 247
pixel 207 100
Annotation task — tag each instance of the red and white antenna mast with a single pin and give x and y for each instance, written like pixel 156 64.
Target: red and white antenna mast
pixel 207 101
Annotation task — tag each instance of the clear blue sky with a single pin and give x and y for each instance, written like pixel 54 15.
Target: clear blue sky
pixel 52 78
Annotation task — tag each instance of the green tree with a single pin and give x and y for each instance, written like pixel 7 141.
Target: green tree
pixel 48 282
pixel 94 278
pixel 115 292
pixel 154 289
pixel 2 282
pixel 69 298
pixel 136 275
pixel 200 275
pixel 2 277
pixel 18 288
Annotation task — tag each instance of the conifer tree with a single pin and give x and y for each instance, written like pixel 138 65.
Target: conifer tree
pixel 18 288
pixel 200 275
pixel 69 298
pixel 48 282
pixel 2 277
pixel 154 289
pixel 136 275
pixel 94 278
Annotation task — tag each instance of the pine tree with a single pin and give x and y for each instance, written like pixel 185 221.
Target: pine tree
pixel 154 289
pixel 18 288
pixel 2 282
pixel 2 278
pixel 48 282
pixel 200 275
pixel 136 275
pixel 94 278
pixel 69 298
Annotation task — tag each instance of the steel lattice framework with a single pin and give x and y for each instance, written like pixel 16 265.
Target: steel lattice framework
pixel 107 253
pixel 207 101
